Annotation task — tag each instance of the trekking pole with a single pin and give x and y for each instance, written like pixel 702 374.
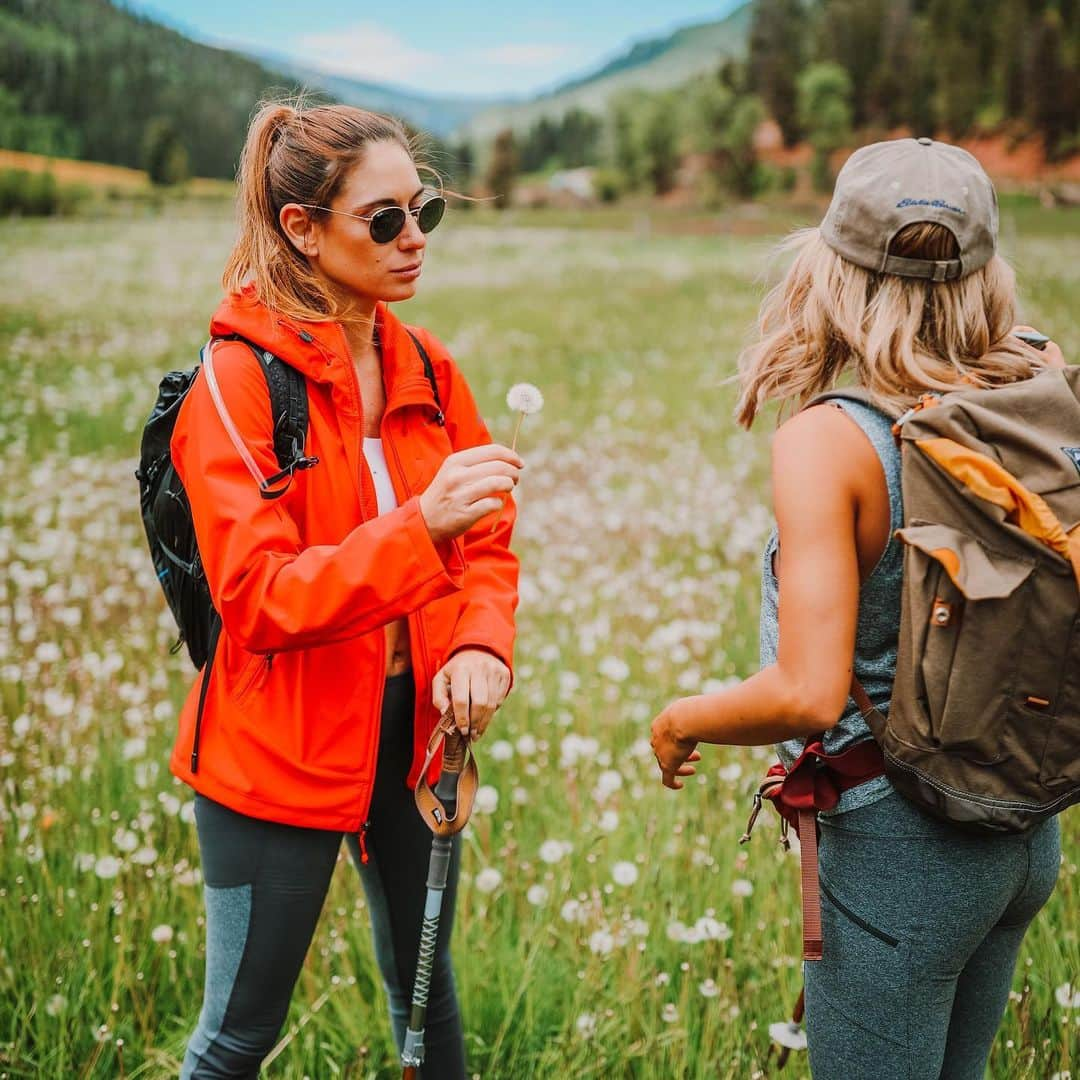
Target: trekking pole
pixel 445 811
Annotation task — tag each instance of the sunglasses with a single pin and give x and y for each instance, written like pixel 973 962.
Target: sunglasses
pixel 388 221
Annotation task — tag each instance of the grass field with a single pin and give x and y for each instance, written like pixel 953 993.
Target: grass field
pixel 642 516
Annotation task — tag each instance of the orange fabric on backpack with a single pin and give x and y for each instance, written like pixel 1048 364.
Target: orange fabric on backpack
pixel 305 584
pixel 985 478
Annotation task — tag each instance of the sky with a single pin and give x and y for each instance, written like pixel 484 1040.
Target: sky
pixel 464 47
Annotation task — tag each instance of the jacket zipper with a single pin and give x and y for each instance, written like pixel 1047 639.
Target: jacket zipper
pixel 416 625
pixel 373 743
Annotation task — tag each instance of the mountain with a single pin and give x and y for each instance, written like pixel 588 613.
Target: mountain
pixel 652 64
pixel 438 115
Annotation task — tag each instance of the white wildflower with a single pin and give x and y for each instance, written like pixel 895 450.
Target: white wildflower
pixel 572 911
pixel 501 750
pixel 108 866
pixel 624 873
pixel 524 398
pixel 487 799
pixel 488 880
pixel 1068 996
pixel 712 930
pixel 669 1014
pixel 551 851
pixel 609 821
pixel 162 934
pixel 709 988
pixel 607 783
pixel 741 887
pixel 601 942
pixel 788 1034
pixel 586 1025
pixel 537 895
pixel 613 668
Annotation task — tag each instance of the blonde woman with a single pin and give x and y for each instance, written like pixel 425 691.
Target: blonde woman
pixel 902 290
pixel 357 606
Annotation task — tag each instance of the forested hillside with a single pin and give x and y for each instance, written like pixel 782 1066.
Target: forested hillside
pixel 933 65
pixel 82 78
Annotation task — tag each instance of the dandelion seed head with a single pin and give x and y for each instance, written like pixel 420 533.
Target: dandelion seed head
pixel 586 1025
pixel 488 880
pixel 487 799
pixel 525 398
pixel 788 1034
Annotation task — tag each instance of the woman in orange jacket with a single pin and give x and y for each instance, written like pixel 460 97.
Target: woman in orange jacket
pixel 355 608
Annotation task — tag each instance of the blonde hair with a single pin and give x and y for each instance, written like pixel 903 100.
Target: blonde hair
pixel 296 154
pixel 899 337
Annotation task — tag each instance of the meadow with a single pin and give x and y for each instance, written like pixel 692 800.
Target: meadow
pixel 606 926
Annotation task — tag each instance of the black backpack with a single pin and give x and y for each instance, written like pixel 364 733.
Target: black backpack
pixel 166 513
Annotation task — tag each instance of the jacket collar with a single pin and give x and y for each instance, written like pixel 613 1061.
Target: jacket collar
pixel 320 351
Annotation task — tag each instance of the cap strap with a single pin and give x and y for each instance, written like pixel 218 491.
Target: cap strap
pixel 931 269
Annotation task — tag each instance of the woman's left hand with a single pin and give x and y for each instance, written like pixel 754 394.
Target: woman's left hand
pixel 475 682
pixel 673 751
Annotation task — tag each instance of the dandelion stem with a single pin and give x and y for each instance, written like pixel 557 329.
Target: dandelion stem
pixel 513 446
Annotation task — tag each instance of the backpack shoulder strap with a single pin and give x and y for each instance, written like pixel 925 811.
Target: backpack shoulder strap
pixel 855 393
pixel 288 410
pixel 429 372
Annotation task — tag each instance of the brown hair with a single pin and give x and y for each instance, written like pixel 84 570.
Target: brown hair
pixel 898 336
pixel 296 154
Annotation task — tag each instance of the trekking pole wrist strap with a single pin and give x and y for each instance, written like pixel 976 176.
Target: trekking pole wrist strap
pixel 459 763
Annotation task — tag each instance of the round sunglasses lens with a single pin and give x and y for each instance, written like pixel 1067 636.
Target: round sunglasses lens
pixel 431 213
pixel 387 223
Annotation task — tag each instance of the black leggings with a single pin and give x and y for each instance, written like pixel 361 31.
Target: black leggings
pixel 265 884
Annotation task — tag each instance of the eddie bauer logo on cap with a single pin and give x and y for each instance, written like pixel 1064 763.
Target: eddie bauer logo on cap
pixel 939 204
pixel 1073 454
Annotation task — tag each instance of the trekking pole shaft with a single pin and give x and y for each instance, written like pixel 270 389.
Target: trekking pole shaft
pixel 412 1053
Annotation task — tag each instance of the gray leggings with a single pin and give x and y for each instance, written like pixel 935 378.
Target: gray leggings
pixel 923 923
pixel 265 884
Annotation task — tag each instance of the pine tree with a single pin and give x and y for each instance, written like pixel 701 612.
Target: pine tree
pixel 777 37
pixel 166 159
pixel 1051 83
pixel 503 169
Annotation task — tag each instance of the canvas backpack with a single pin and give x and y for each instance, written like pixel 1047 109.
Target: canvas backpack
pixel 983 726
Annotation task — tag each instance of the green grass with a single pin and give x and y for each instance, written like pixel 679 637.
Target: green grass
pixel 642 516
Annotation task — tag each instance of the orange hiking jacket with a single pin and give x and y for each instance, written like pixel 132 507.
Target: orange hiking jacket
pixel 305 583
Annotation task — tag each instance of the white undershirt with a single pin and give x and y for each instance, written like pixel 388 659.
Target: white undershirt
pixel 384 489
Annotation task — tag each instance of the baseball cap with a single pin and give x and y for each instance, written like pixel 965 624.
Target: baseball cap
pixel 887 186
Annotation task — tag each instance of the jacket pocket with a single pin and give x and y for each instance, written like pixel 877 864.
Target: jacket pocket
pixel 967 606
pixel 252 674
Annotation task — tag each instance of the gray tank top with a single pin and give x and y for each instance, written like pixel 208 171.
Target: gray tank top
pixel 879 617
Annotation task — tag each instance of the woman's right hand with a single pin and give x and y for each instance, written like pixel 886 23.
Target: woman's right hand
pixel 467 487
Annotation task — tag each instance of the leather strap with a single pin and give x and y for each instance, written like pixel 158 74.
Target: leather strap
pixel 458 760
pixel 811 890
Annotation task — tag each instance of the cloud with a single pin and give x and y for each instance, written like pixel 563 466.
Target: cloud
pixel 525 55
pixel 366 51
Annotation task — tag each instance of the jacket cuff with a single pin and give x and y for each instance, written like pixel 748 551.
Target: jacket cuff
pixel 450 554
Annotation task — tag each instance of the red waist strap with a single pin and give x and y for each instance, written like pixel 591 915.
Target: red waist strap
pixel 815 781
